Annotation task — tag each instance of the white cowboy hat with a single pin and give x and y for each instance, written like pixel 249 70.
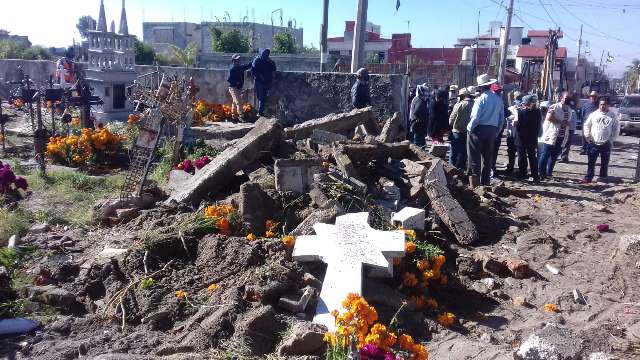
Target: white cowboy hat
pixel 453 88
pixel 484 80
pixel 463 91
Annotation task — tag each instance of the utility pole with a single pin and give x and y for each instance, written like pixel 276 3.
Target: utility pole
pixel 505 43
pixel 359 35
pixel 324 51
pixel 578 61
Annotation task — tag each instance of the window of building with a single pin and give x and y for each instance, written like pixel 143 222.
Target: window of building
pixel 107 91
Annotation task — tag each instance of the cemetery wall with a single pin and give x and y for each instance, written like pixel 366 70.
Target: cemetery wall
pixel 295 96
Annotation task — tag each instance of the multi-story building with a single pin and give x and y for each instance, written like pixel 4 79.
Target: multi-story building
pixel 375 46
pixel 161 35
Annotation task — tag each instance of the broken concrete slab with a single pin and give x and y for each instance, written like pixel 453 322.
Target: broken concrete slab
pixel 409 218
pixel 255 206
pixel 296 175
pixel 413 169
pixel 447 207
pixel 346 247
pixel 177 178
pixel 392 130
pixel 344 163
pixel 629 244
pixel 105 209
pixel 364 153
pixel 305 338
pixel 297 306
pixel 220 171
pixel 221 130
pixel 337 123
pixel 439 150
pixel 360 133
pixel 325 137
pixel 53 296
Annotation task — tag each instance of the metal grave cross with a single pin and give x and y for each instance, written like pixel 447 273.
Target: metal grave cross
pixel 345 247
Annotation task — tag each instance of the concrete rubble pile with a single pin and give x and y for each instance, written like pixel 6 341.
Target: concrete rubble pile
pixel 307 174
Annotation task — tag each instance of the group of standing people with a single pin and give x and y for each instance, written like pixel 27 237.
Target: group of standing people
pixel 538 135
pixel 262 69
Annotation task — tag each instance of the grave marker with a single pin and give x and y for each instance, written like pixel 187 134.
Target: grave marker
pixel 345 247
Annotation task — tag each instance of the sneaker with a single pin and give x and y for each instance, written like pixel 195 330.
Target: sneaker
pixel 585 181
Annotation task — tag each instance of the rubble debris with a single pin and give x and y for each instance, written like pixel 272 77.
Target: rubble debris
pixel 39 228
pixel 305 338
pixel 629 244
pixel 392 129
pixel 221 131
pixel 344 163
pixel 447 207
pixel 360 133
pixel 255 206
pixel 337 123
pixel 126 215
pixel 327 214
pixel 296 175
pixel 439 151
pixel 312 281
pixel 297 306
pixel 221 169
pixel 323 137
pixel 14 241
pixel 107 209
pixel 365 153
pixel 345 247
pixel 519 268
pixel 578 298
pixel 552 269
pixel 552 343
pixel 54 296
pixel 318 197
pixel 409 218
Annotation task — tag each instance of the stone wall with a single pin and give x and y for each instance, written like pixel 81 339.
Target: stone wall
pixel 295 96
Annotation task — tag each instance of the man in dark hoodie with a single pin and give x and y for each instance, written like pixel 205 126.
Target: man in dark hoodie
pixel 438 117
pixel 360 90
pixel 236 81
pixel 419 115
pixel 528 123
pixel 262 69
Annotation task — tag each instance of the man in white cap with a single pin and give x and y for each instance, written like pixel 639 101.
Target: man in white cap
pixel 458 120
pixel 583 115
pixel 236 81
pixel 487 117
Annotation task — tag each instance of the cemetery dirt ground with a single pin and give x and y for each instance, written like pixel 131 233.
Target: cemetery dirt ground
pixel 553 223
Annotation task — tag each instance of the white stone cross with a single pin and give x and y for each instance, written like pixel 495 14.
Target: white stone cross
pixel 345 247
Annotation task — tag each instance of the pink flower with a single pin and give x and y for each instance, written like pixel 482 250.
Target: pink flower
pixel 188 166
pixel 21 183
pixel 602 227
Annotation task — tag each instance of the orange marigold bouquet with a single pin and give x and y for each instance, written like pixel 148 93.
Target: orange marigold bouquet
pixel 90 147
pixel 219 218
pixel 357 326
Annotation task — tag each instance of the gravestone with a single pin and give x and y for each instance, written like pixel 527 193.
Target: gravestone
pixel 345 247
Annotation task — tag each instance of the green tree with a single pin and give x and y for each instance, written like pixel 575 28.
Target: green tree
pixel 283 43
pixel 310 50
pixel 9 49
pixel 632 74
pixel 86 23
pixel 162 59
pixel 186 57
pixel 229 41
pixel 145 55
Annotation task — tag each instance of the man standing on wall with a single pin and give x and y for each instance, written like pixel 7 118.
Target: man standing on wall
pixel 262 69
pixel 236 81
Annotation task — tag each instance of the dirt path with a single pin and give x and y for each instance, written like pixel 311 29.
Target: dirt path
pixel 562 216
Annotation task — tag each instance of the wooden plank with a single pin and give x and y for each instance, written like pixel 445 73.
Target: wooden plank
pixel 447 207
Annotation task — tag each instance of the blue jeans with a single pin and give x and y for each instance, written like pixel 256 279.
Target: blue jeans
pixel 593 151
pixel 458 155
pixel 261 94
pixel 548 157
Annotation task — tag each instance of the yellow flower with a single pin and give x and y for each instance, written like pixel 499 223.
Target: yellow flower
pixel 213 287
pixel 181 294
pixel 409 247
pixel 269 234
pixel 251 237
pixel 446 319
pixel 551 308
pixel 411 234
pixel 289 240
pixel 428 275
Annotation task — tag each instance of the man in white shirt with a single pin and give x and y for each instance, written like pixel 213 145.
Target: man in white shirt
pixel 600 129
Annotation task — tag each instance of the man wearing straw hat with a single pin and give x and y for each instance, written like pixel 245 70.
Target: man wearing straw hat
pixel 487 117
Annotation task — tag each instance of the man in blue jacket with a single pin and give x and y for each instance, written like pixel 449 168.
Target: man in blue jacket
pixel 236 81
pixel 262 69
pixel 487 118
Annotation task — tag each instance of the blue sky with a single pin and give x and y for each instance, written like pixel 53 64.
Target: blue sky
pixel 433 23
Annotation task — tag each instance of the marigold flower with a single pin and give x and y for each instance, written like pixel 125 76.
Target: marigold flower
pixel 431 303
pixel 224 226
pixel 428 275
pixel 269 234
pixel 181 294
pixel 438 261
pixel 409 279
pixel 251 237
pixel 213 287
pixel 411 234
pixel 409 247
pixel 551 308
pixel 423 265
pixel 446 319
pixel 270 224
pixel 406 342
pixel 289 240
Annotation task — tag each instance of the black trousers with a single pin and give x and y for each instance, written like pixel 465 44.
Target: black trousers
pixel 528 154
pixel 566 148
pixel 481 146
pixel 511 153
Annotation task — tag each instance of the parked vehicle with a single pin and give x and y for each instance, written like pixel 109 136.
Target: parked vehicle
pixel 629 111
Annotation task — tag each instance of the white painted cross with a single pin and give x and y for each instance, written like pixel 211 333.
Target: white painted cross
pixel 345 247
